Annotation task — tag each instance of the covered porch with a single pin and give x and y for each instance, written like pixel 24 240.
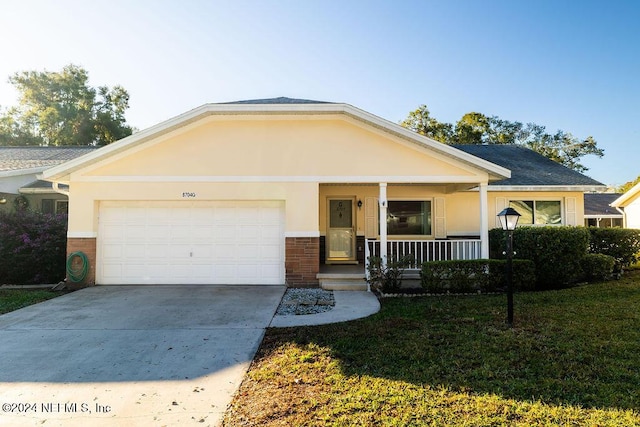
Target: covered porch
pixel 417 223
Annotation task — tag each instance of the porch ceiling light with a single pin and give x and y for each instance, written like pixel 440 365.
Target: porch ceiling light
pixel 509 219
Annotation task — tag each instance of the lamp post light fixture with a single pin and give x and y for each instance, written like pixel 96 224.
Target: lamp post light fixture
pixel 509 219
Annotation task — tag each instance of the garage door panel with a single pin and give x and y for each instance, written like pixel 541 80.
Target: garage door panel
pixel 112 251
pixel 133 251
pixel 202 252
pixel 225 216
pixel 135 215
pixel 157 251
pixel 117 232
pixel 155 232
pixel 112 270
pixel 134 270
pixel 196 242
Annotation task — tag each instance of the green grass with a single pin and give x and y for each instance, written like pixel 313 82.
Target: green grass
pixel 573 358
pixel 14 299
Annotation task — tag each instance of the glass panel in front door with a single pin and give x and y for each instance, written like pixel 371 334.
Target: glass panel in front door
pixel 340 233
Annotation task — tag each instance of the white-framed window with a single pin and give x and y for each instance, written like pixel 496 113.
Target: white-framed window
pixel 62 206
pixel 50 206
pixel 409 218
pixel 538 212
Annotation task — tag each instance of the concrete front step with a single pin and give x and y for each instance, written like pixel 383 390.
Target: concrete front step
pixel 343 285
pixel 342 282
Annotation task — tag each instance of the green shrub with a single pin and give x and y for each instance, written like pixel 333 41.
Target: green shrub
pixel 623 244
pixel 556 252
pixel 524 274
pixel 32 247
pixel 389 278
pixel 598 267
pixel 464 276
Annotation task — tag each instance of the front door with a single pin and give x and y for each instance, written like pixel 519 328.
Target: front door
pixel 341 236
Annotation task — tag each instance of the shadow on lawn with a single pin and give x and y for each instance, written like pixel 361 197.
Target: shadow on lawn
pixel 566 348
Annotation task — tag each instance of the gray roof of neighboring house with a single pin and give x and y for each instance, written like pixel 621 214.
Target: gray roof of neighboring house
pixel 528 168
pixel 280 100
pixel 19 158
pixel 596 204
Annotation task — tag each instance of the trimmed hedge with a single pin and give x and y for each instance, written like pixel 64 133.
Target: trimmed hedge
pixel 557 252
pixel 33 247
pixel 623 244
pixel 598 267
pixel 465 276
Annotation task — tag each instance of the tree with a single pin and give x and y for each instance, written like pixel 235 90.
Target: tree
pixel 60 108
pixel 477 128
pixel 421 121
pixel 628 185
pixel 472 128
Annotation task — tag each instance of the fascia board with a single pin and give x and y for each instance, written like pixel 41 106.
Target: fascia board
pixel 622 200
pixel 36 191
pixel 559 188
pixel 18 172
pixel 65 169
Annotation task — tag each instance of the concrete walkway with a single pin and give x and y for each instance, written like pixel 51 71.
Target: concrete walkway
pixel 349 305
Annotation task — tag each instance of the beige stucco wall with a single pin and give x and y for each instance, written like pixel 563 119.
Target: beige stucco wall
pixel 259 158
pixel 281 147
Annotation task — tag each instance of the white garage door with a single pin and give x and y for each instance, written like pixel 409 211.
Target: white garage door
pixel 191 243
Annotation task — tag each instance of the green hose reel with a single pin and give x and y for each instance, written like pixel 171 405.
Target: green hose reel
pixel 77 274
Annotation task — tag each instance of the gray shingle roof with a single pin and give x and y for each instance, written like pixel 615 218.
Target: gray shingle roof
pixel 18 158
pixel 280 100
pixel 528 168
pixel 598 204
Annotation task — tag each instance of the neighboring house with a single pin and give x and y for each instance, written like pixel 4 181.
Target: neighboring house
pixel 629 203
pixel 268 191
pixel 598 211
pixel 19 168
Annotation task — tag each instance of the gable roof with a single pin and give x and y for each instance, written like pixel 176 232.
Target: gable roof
pixel 23 160
pixel 531 169
pixel 629 196
pixel 273 106
pixel 599 205
pixel 280 100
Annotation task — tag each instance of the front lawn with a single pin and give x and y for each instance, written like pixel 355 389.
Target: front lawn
pixel 573 358
pixel 13 299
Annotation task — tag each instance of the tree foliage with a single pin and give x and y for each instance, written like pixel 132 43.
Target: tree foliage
pixel 60 108
pixel 628 185
pixel 477 128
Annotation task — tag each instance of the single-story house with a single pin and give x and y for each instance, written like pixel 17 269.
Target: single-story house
pixel 272 191
pixel 629 203
pixel 19 168
pixel 598 211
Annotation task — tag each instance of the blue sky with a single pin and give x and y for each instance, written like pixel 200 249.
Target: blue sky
pixel 570 65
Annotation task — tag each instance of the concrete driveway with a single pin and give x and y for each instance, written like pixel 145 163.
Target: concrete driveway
pixel 131 355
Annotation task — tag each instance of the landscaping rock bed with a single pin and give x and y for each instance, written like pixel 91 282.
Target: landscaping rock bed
pixel 300 301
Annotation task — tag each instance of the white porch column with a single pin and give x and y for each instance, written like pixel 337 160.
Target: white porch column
pixel 484 221
pixel 383 222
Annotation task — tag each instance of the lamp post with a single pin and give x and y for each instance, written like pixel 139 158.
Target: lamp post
pixel 509 219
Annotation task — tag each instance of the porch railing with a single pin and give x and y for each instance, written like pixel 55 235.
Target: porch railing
pixel 426 250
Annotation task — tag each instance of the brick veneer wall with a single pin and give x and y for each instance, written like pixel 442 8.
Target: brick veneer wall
pixel 88 246
pixel 302 261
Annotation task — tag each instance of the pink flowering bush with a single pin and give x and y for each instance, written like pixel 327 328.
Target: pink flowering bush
pixel 32 247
